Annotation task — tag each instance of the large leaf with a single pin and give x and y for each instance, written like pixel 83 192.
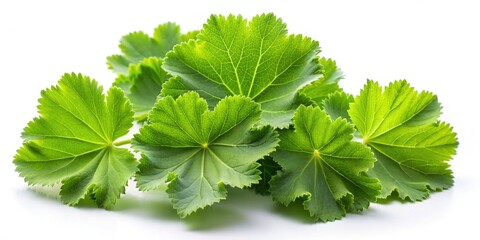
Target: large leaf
pixel 411 146
pixel 72 142
pixel 323 165
pixel 197 151
pixel 256 59
pixel 137 46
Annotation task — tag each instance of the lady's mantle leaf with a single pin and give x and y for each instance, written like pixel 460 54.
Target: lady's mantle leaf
pixel 337 105
pixel 412 148
pixel 256 59
pixel 322 164
pixel 72 142
pixel 137 46
pixel 319 90
pixel 147 79
pixel 197 151
pixel 143 85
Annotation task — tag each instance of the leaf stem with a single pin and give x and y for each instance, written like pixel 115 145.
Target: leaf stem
pixel 141 118
pixel 122 142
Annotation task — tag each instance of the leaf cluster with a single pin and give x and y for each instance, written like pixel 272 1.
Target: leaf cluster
pixel 239 103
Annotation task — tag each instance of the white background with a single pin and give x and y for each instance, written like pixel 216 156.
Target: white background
pixel 432 44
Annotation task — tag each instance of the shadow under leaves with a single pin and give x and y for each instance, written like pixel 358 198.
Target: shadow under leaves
pixel 156 204
pixel 295 211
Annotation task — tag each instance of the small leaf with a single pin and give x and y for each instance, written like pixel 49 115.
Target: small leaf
pixel 137 46
pixel 143 85
pixel 319 90
pixel 337 105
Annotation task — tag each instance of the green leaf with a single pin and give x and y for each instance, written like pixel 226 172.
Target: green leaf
pixel 143 85
pixel 337 105
pixel 137 46
pixel 189 35
pixel 411 146
pixel 319 90
pixel 256 59
pixel 197 151
pixel 147 79
pixel 72 142
pixel 123 82
pixel 322 165
pixel 269 168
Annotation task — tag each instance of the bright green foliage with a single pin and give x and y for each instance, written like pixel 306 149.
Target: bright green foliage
pixel 137 46
pixel 72 142
pixel 143 85
pixel 337 105
pixel 326 84
pixel 412 148
pixel 323 165
pixel 256 59
pixel 197 151
pixel 218 110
